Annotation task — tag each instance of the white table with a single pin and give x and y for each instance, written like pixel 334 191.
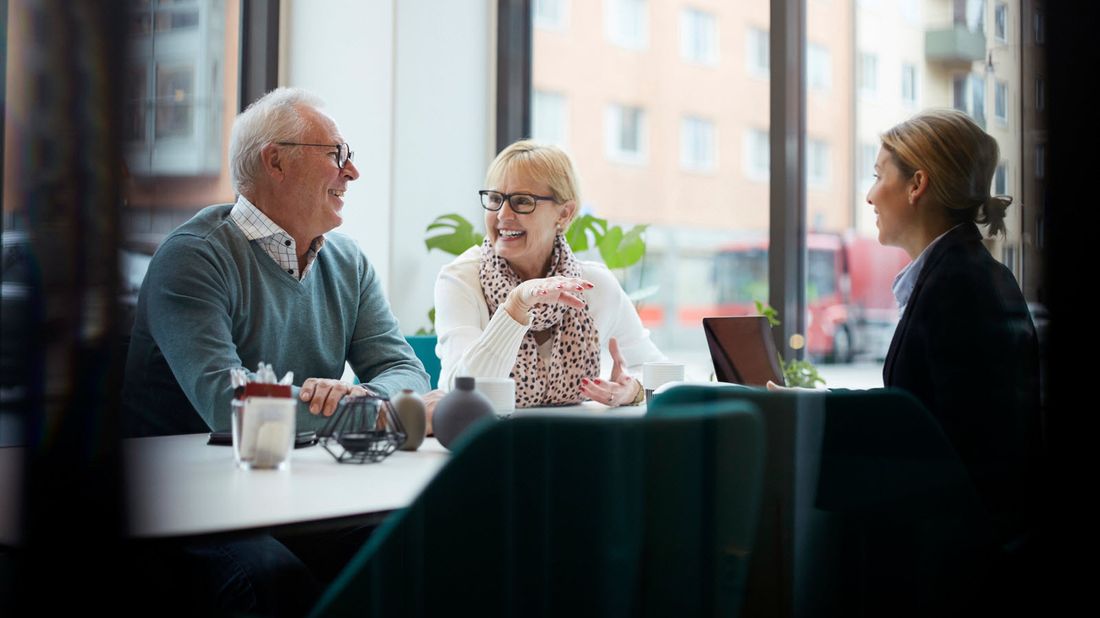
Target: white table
pixel 180 486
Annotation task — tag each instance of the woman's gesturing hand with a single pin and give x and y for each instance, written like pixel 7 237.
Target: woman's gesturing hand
pixel 546 291
pixel 621 389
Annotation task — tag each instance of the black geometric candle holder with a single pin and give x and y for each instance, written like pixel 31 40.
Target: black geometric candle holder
pixel 362 429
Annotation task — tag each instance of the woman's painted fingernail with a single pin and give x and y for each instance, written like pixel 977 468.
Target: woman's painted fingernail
pixel 596 381
pixel 584 380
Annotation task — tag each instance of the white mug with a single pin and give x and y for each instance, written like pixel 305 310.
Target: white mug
pixel 501 392
pixel 656 373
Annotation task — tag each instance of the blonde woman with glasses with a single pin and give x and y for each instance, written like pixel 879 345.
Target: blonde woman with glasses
pixel 522 305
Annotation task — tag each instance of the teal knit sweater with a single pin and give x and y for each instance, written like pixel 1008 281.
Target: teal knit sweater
pixel 212 300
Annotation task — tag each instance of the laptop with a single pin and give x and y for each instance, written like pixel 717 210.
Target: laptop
pixel 742 350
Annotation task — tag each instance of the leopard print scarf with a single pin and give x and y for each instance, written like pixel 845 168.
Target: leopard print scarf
pixel 576 343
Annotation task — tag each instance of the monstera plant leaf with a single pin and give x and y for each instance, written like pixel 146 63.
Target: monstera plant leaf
pixel 619 249
pixel 457 236
pixel 584 226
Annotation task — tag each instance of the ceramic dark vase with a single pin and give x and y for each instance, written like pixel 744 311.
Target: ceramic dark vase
pixel 459 409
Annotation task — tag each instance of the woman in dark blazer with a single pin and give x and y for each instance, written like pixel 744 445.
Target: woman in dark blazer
pixel 965 345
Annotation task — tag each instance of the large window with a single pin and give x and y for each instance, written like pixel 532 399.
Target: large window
pixel 688 151
pixel 671 136
pixel 176 92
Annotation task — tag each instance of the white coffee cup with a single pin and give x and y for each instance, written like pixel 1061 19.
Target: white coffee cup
pixel 656 373
pixel 501 392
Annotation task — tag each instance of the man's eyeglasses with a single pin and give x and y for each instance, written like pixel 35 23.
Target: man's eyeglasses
pixel 520 203
pixel 343 151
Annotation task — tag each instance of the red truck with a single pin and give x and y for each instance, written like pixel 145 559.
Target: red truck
pixel 852 311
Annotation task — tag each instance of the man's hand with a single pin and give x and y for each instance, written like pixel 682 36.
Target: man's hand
pixel 323 394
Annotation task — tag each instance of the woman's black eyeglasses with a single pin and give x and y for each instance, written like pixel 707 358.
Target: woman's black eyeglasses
pixel 520 203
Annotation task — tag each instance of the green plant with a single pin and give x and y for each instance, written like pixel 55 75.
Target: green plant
pixel 452 233
pixel 797 372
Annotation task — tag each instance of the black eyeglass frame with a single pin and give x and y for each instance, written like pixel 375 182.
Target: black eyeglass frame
pixel 507 197
pixel 340 149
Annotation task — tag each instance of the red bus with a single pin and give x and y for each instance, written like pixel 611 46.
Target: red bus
pixel 849 294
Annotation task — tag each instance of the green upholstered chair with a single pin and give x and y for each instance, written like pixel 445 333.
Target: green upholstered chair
pixel 572 516
pixel 424 347
pixel 867 509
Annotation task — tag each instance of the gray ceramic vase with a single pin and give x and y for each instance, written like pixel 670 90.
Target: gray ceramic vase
pixel 459 409
pixel 410 409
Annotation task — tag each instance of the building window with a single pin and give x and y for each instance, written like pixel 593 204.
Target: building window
pixel 175 95
pixel 1040 160
pixel 626 134
pixel 818 67
pixel 817 163
pixel 1000 180
pixel 971 14
pixel 969 96
pixel 1039 28
pixel 698 37
pixel 868 154
pixel 1000 102
pixel 550 14
pixel 910 10
pixel 757 154
pixel 628 23
pixel 548 118
pixel 1040 94
pixel 868 74
pixel 909 84
pixel 697 144
pixel 758 53
pixel 1000 22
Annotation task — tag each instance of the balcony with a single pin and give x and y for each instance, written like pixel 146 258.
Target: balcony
pixel 954 45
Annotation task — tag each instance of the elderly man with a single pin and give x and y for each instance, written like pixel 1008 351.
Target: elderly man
pixel 262 280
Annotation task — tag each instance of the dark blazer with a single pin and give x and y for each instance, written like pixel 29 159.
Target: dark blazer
pixel 966 347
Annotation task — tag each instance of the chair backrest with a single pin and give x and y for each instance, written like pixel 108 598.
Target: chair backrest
pixel 424 347
pixel 867 510
pixel 545 516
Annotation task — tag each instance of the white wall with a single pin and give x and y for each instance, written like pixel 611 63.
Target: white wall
pixel 408 83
